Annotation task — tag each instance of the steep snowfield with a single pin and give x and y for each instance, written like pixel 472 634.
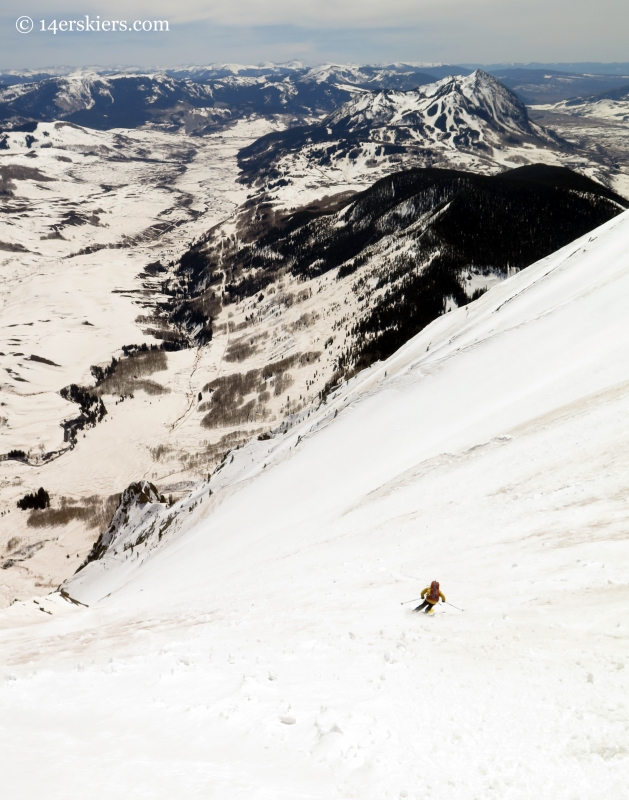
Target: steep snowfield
pixel 259 648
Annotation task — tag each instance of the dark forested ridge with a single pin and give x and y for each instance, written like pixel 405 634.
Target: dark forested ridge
pixel 420 233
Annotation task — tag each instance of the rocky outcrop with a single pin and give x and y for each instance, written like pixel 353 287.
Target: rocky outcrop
pixel 134 498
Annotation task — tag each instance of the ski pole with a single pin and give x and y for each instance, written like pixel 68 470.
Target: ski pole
pixel 453 606
pixel 414 600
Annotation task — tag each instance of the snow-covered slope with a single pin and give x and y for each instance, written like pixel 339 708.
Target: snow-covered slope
pixel 401 253
pixel 91 221
pixel 256 645
pixel 477 105
pixel 105 102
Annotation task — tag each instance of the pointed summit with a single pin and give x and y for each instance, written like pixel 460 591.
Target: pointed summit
pixel 465 110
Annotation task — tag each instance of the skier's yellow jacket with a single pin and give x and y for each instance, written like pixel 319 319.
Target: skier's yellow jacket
pixel 431 599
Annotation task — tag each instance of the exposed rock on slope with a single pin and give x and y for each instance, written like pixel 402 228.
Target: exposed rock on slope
pixel 138 502
pixel 199 99
pixel 124 101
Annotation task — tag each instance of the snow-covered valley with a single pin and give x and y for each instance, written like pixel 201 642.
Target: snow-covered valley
pixel 84 214
pixel 260 636
pixel 596 124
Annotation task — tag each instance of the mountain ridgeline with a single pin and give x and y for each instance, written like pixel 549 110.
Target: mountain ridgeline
pixel 201 99
pixel 408 248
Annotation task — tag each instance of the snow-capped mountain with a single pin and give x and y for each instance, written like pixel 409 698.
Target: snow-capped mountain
pixel 321 394
pixel 260 622
pixel 454 117
pixel 96 236
pixel 123 101
pixel 198 99
pixel 452 106
pixel 113 214
pixel 12 77
pixel 393 76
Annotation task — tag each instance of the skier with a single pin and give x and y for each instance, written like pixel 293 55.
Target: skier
pixel 430 596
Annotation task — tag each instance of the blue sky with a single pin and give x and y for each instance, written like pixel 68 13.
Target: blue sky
pixel 313 31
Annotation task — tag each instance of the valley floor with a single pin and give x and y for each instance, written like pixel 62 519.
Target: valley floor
pixel 605 138
pixel 86 214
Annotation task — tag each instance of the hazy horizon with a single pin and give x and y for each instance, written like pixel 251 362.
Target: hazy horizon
pixel 244 31
pixel 595 67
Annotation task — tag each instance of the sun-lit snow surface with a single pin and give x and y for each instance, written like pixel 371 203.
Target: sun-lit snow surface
pixel 260 650
pixel 477 102
pixel 88 211
pixel 195 99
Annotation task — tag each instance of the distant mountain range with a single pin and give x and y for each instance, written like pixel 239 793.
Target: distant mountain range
pixel 203 98
pixel 538 86
pixel 198 99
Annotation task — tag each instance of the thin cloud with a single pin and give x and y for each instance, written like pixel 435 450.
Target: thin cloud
pixel 367 31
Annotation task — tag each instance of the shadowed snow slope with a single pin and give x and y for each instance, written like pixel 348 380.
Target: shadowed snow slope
pixel 255 647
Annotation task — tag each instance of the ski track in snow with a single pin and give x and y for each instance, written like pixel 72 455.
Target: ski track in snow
pixel 260 649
